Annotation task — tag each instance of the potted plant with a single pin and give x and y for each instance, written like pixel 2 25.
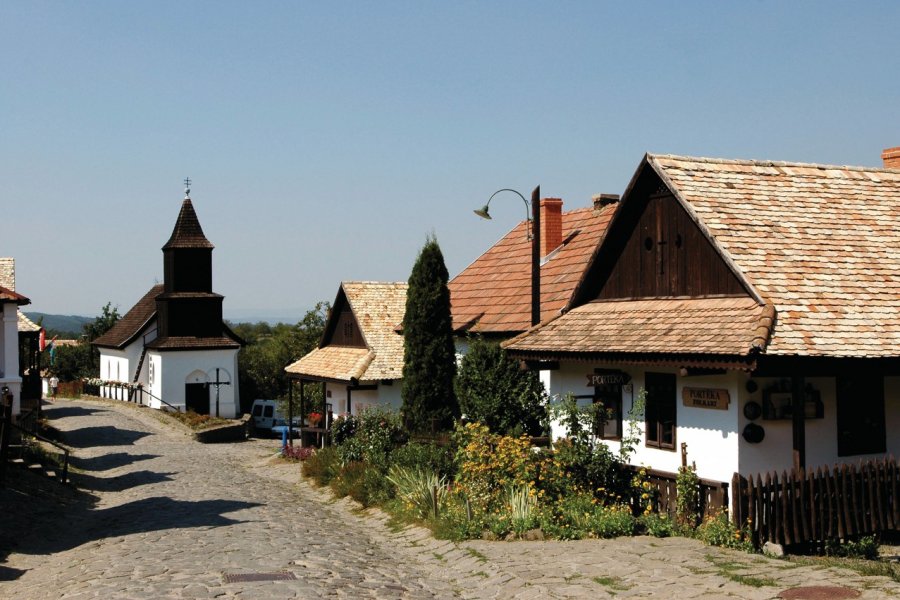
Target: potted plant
pixel 314 418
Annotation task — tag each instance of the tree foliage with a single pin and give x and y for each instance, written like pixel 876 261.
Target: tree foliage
pixel 82 360
pixel 429 355
pixel 269 349
pixel 494 391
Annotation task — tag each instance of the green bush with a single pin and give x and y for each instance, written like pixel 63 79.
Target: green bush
pixel 494 391
pixel 378 433
pixel 363 482
pixel 423 491
pixel 322 466
pixel 718 530
pixel 657 525
pixel 687 499
pixel 425 456
pixel 865 547
pixel 343 428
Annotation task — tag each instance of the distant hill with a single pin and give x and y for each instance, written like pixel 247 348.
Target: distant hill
pixel 64 325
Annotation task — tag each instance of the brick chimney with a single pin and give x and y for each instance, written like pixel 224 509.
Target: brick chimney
pixel 891 157
pixel 551 225
pixel 601 200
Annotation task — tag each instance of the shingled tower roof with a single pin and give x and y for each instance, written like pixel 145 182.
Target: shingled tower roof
pixel 187 232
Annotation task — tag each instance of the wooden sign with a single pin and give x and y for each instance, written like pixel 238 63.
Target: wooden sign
pixel 705 398
pixel 607 377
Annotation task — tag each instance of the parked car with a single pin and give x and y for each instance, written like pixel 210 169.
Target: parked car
pixel 265 413
pixel 280 426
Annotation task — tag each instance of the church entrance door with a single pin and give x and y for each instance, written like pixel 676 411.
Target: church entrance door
pixel 196 398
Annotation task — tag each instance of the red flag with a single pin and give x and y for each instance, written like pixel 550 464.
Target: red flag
pixel 43 339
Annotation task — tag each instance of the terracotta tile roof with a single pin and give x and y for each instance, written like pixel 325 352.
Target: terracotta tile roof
pixel 7 295
pixel 193 343
pixel 493 294
pixel 132 323
pixel 822 243
pixel 379 308
pixel 721 326
pixel 187 232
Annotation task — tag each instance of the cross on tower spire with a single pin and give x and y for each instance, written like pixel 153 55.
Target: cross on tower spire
pixel 187 187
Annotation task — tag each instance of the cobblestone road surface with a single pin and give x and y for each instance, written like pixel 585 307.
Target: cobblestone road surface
pixel 168 517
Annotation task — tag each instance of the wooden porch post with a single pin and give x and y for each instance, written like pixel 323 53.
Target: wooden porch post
pixel 290 422
pixel 798 421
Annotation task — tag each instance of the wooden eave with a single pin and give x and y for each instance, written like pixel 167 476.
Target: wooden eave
pixel 701 361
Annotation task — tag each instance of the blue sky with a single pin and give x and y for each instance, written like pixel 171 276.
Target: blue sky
pixel 327 140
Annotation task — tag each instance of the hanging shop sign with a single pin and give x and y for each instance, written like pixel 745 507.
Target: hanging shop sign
pixel 705 398
pixel 607 377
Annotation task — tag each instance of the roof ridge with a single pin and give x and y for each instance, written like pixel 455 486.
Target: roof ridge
pixel 765 163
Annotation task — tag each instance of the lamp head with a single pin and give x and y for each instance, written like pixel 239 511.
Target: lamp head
pixel 483 212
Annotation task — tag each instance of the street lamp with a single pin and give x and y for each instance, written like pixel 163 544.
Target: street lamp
pixel 535 236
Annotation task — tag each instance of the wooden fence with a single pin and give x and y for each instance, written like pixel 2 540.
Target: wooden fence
pixel 713 494
pixel 809 508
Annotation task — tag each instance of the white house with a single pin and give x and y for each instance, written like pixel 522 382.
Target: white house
pixel 359 361
pixel 10 377
pixel 758 305
pixel 172 347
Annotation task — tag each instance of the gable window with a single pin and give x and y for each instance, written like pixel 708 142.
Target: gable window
pixel 660 410
pixel 609 396
pixel 860 415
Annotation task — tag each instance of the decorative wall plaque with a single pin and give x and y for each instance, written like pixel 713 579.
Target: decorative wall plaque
pixel 705 398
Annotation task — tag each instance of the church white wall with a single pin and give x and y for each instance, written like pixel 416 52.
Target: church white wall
pixel 176 367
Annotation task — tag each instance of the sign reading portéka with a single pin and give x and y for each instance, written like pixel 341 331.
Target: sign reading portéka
pixel 607 377
pixel 705 398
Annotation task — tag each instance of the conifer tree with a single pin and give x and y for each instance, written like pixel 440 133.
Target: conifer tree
pixel 429 355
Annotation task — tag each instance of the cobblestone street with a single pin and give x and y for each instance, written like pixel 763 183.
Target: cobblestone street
pixel 170 518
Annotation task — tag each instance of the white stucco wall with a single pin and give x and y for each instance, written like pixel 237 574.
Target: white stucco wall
pixel 711 435
pixel 9 355
pixel 387 396
pixel 174 369
pixel 714 437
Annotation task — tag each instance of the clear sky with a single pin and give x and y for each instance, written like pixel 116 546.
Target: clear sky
pixel 327 140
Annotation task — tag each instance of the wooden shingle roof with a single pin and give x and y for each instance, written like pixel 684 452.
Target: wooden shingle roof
pixel 820 242
pixel 378 308
pixel 818 247
pixel 187 232
pixel 493 294
pixel 132 323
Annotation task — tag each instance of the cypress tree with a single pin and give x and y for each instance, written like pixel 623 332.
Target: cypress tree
pixel 429 354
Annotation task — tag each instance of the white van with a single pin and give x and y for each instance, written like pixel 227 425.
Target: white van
pixel 264 413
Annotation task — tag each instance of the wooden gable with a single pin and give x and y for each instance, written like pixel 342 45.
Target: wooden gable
pixel 343 328
pixel 654 249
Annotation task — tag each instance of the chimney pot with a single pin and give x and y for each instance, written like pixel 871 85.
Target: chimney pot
pixel 551 225
pixel 891 157
pixel 601 200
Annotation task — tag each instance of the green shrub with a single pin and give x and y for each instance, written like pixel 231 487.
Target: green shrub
pixel 488 464
pixel 377 433
pixel 423 492
pixel 494 391
pixel 425 456
pixel 611 521
pixel 363 482
pixel 343 428
pixel 657 525
pixel 322 466
pixel 522 505
pixel 687 499
pixel 718 530
pixel 865 547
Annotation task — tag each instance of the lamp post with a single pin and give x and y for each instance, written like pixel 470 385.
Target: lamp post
pixel 535 236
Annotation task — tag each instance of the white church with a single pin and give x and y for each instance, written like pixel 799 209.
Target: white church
pixel 173 348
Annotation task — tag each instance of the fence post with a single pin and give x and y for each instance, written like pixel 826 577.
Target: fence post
pixel 737 497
